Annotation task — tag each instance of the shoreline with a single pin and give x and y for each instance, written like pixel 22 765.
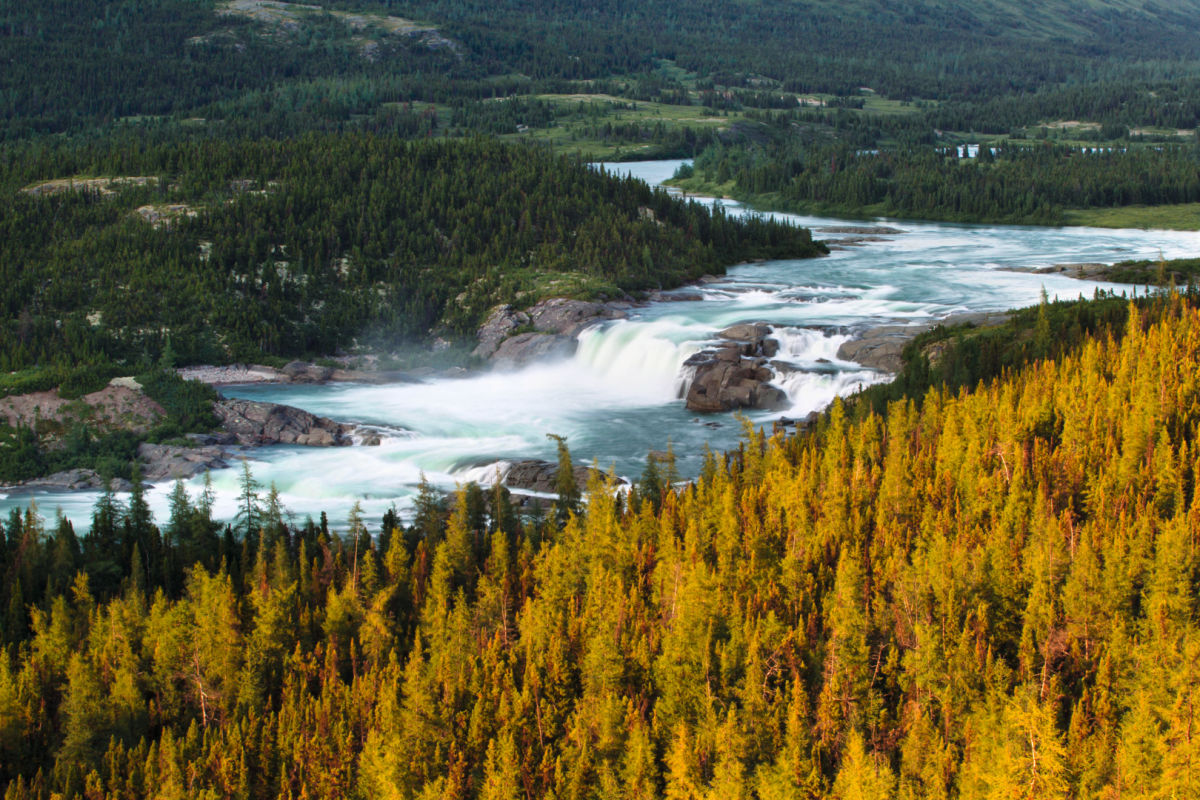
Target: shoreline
pixel 1134 217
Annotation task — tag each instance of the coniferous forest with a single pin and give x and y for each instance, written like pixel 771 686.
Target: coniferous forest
pixel 984 593
pixel 257 248
pixel 1022 185
pixel 979 580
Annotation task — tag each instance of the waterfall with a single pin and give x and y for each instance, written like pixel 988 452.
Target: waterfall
pixel 807 347
pixel 643 358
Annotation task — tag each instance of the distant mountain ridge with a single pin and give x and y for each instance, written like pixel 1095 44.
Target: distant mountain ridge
pixel 70 64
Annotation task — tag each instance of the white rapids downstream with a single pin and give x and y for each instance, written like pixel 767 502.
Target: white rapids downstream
pixel 619 396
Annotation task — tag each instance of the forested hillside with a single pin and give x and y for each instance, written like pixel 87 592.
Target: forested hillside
pixel 256 249
pixel 989 595
pixel 75 65
pixel 621 80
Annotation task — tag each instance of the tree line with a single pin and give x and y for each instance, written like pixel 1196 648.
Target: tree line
pixel 1007 183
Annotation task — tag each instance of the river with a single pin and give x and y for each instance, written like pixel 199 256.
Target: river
pixel 619 398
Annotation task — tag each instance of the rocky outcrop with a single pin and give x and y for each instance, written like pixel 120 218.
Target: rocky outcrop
pixel 73 480
pixel 728 381
pixel 162 462
pixel 499 326
pixel 569 317
pixel 736 375
pixel 556 317
pixel 1086 271
pixel 881 348
pixel 232 374
pixel 294 372
pixel 116 407
pixel 303 372
pixel 209 439
pixel 534 475
pixel 754 339
pixel 674 297
pixel 255 423
pixel 525 348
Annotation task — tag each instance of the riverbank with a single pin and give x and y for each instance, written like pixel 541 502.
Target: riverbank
pixel 294 372
pixel 1174 217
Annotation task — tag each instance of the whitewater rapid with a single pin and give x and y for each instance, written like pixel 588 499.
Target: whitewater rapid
pixel 619 396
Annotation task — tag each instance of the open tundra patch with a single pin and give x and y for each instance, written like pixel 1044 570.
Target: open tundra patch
pixel 291 15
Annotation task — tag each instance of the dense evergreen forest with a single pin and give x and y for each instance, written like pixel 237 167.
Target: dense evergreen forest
pixel 239 251
pixel 1007 183
pixel 987 594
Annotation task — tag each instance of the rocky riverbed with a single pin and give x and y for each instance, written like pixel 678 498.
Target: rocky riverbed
pixel 243 424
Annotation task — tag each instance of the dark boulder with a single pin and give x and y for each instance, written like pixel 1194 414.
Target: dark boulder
pixel 525 348
pixel 255 423
pixel 724 384
pixel 735 374
pixel 534 475
pixel 162 462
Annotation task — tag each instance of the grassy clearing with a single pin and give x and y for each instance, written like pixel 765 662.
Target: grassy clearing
pixel 698 185
pixel 571 284
pixel 579 117
pixel 1184 217
pixel 672 71
pixel 561 140
pixel 620 109
pixel 874 104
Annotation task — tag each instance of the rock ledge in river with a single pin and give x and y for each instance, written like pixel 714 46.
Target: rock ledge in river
pixel 255 423
pixel 534 475
pixel 557 317
pixel 168 462
pixel 72 480
pixel 881 348
pixel 525 348
pixel 569 317
pixel 736 375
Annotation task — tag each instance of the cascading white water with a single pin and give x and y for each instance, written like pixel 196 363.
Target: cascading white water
pixel 484 474
pixel 812 391
pixel 808 347
pixel 644 357
pixel 808 369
